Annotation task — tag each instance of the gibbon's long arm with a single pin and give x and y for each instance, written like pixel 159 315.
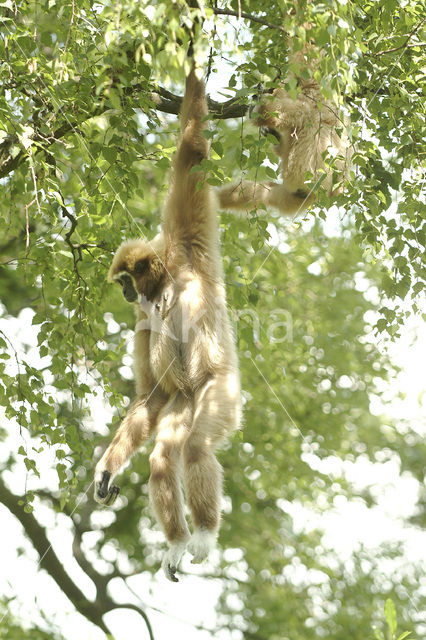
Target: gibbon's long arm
pixel 247 195
pixel 188 213
pixel 134 430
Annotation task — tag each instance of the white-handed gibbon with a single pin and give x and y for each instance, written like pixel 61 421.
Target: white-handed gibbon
pixel 309 131
pixel 185 361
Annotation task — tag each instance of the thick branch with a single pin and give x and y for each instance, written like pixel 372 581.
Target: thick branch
pixel 50 561
pixel 93 611
pixel 164 101
pixel 170 103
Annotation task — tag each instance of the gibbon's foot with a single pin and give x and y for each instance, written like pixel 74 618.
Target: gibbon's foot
pixel 201 543
pixel 172 558
pixel 301 193
pixel 265 130
pixel 105 494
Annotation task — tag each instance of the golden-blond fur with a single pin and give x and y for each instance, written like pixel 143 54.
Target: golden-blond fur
pixel 185 362
pixel 309 130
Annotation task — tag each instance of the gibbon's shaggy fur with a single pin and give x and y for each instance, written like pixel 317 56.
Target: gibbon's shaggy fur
pixel 185 361
pixel 308 129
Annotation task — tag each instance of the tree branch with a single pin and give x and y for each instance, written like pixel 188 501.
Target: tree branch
pixel 50 561
pixel 164 101
pixel 93 611
pixel 247 16
pixel 9 163
pixel 141 612
pixel 170 103
pixel 404 44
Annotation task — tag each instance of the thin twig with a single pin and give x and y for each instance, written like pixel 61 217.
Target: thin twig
pixel 404 44
pixel 247 16
pixel 68 37
pixel 27 228
pixel 35 183
pixel 141 612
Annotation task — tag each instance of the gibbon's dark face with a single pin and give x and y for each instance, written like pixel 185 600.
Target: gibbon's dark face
pixel 138 267
pixel 128 288
pixel 141 279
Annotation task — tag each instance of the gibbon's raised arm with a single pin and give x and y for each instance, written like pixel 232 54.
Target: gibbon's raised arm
pixel 188 215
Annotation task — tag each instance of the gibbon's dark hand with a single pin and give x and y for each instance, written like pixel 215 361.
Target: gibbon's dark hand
pixel 171 573
pixel 104 494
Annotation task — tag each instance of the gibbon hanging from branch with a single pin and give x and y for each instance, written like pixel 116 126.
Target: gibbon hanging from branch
pixel 185 361
pixel 310 133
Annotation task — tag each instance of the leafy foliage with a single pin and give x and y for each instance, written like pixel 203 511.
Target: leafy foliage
pixel 85 150
pixel 11 629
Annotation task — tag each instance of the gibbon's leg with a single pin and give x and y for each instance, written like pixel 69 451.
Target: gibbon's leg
pixel 165 490
pixel 135 428
pixel 250 195
pixel 217 411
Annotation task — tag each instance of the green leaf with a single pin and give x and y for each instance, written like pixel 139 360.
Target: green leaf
pixel 390 615
pixel 110 154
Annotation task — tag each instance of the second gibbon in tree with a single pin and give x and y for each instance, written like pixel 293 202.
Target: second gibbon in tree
pixel 308 130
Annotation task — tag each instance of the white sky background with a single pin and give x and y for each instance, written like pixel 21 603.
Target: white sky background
pixel 193 600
